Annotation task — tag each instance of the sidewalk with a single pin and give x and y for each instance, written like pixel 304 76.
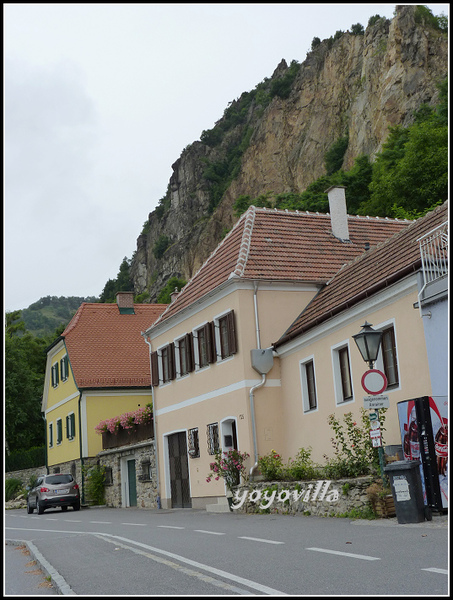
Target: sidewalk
pixel 25 571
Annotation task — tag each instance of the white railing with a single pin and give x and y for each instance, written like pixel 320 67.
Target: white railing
pixel 434 255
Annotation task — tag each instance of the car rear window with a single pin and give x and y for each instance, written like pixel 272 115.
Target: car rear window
pixel 57 479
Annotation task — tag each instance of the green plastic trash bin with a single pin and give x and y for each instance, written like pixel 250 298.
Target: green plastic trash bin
pixel 407 491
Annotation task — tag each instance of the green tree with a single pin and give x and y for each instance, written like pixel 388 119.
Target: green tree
pixel 333 159
pixel 412 170
pixel 173 283
pixel 161 246
pixel 122 283
pixel 25 361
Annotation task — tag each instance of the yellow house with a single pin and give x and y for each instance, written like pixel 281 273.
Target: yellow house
pixel 217 382
pixel 97 369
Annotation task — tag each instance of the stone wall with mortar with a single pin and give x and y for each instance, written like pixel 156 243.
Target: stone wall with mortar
pixel 319 498
pixel 145 467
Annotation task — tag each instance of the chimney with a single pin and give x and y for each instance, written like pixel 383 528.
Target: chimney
pixel 125 301
pixel 338 213
pixel 174 294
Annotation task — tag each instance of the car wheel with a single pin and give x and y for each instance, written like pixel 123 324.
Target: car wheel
pixel 64 508
pixel 76 506
pixel 40 507
pixel 30 509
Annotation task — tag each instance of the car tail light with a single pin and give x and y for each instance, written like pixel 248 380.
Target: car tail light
pixel 76 487
pixel 43 489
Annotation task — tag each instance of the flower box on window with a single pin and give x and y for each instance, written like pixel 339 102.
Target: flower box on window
pixel 136 434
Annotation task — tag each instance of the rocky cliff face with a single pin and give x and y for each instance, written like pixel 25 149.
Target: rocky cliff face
pixel 358 85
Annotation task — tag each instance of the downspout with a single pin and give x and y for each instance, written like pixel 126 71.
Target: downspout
pixel 252 411
pixel 46 438
pixel 156 453
pixel 257 385
pixel 82 499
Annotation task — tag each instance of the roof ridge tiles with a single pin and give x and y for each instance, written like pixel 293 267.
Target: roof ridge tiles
pixel 187 287
pixel 246 241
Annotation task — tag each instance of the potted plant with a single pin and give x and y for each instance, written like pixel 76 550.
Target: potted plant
pixel 381 500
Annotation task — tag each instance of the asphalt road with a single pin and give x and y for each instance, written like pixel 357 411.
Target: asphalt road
pixel 103 551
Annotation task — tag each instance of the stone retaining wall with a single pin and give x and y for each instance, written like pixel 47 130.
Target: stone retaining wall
pixel 25 474
pixel 319 498
pixel 145 467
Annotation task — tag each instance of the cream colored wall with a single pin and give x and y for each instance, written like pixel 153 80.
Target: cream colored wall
pixel 311 429
pixel 101 405
pixel 221 390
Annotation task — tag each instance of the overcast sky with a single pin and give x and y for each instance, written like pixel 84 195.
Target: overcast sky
pixel 100 101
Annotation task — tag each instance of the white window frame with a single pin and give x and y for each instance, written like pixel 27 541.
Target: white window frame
pixel 55 374
pixel 217 337
pixel 59 442
pixel 196 350
pixel 379 364
pixel 304 384
pixel 336 371
pixel 64 372
pixel 70 435
pixel 161 364
pixel 179 374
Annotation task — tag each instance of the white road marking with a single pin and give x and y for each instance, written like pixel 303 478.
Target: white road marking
pixel 135 524
pixel 435 570
pixel 212 570
pixel 72 521
pixel 253 539
pixel 210 532
pixel 348 554
pixel 170 527
pixel 102 522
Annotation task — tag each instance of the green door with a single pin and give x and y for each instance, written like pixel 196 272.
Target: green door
pixel 132 482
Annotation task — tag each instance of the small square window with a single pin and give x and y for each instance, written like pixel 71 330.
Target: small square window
pixel 194 443
pixel 213 438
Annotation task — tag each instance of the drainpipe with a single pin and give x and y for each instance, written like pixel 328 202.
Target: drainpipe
pixel 257 385
pixel 82 499
pixel 156 454
pixel 252 411
pixel 46 438
pixel 255 306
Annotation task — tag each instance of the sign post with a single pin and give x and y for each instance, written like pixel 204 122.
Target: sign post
pixel 374 382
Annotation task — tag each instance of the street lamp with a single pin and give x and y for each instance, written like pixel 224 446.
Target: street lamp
pixel 368 342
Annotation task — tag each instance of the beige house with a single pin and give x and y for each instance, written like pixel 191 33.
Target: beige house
pixel 217 381
pixel 321 367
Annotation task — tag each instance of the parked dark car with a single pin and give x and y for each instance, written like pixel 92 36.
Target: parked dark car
pixel 51 491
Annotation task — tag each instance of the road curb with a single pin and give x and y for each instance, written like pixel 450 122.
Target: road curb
pixel 57 580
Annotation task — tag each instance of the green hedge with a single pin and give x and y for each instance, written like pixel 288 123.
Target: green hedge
pixel 27 459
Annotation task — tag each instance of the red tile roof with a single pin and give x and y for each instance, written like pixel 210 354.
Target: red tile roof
pixel 105 347
pixel 276 245
pixel 367 274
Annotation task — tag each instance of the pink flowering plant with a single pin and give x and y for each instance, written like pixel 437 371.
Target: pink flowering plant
pixel 230 466
pixel 128 420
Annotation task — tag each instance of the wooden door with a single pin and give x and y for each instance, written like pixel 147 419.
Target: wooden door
pixel 179 471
